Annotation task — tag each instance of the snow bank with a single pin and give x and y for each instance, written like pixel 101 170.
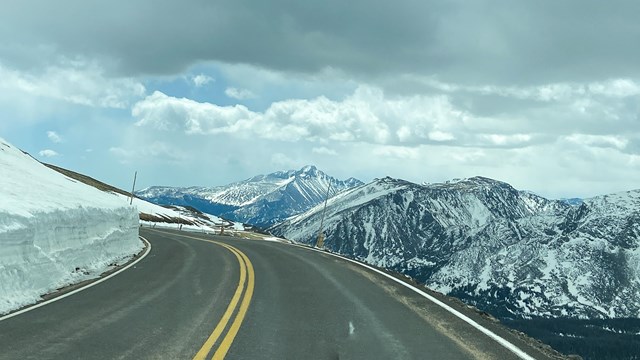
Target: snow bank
pixel 55 231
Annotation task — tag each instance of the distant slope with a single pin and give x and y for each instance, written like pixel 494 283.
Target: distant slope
pixel 261 200
pixel 509 252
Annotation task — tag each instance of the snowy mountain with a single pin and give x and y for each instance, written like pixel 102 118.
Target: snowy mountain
pixel 261 200
pixel 511 253
pixel 56 231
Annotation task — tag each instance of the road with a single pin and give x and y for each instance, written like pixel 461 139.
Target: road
pixel 202 296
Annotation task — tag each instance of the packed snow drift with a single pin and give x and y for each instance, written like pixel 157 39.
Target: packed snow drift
pixel 56 231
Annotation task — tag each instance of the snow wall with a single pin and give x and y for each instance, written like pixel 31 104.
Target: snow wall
pixel 56 231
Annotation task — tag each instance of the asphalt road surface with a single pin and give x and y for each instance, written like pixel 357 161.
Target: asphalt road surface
pixel 199 296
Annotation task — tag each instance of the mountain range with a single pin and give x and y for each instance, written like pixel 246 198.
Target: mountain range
pixel 511 253
pixel 262 200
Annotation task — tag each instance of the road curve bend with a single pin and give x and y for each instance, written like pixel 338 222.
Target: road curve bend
pixel 198 296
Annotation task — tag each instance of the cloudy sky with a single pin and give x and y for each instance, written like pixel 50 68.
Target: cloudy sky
pixel 544 95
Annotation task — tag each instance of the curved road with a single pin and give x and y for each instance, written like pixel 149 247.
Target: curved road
pixel 201 296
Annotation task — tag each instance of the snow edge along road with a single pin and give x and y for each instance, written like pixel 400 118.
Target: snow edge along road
pixel 91 284
pixel 500 340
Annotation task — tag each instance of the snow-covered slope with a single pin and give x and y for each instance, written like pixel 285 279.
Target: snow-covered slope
pixel 261 200
pixel 54 230
pixel 509 252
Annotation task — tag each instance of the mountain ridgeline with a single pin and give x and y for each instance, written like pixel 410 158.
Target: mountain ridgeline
pixel 511 253
pixel 262 200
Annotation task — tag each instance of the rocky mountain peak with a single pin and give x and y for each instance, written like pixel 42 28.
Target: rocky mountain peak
pixel 309 169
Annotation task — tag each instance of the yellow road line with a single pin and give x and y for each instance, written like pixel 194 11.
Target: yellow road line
pixel 206 347
pixel 233 331
pixel 246 271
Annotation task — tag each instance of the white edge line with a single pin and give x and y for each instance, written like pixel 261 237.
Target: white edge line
pixel 502 341
pixel 81 288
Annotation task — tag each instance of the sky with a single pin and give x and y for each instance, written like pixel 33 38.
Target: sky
pixel 544 95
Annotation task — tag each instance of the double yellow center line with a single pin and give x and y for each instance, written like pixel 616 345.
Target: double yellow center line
pixel 242 296
pixel 246 271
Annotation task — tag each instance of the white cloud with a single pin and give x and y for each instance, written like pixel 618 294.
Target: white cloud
pixel 54 137
pixel 563 91
pixel 558 113
pixel 440 136
pixel 370 116
pixel 168 113
pixel 48 153
pixel 364 116
pixel 74 81
pixel 202 80
pixel 239 94
pixel 615 88
pixel 507 140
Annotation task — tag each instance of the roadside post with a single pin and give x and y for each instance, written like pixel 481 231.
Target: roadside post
pixel 320 240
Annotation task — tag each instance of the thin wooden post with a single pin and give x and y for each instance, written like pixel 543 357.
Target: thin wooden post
pixel 135 176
